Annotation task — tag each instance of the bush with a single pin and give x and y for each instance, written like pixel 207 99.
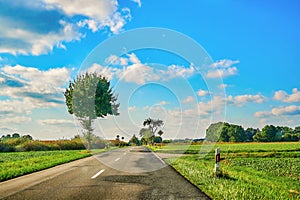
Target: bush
pixel 33 146
pixel 6 147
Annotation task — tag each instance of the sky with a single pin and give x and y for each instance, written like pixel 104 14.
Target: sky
pixel 190 64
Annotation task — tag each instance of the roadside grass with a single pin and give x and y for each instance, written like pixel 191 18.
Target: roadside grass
pixel 252 170
pixel 14 164
pixel 228 147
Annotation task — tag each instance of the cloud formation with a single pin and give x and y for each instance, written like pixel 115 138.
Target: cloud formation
pixel 40 25
pixel 222 68
pixel 279 111
pixel 131 69
pixel 240 100
pixel 285 97
pixel 28 88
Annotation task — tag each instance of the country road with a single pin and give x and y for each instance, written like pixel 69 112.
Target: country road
pixel 127 173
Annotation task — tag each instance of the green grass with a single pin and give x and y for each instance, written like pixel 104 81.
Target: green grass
pixel 16 164
pixel 252 170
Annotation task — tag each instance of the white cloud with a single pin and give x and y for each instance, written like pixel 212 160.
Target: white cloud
pixel 133 70
pixel 288 110
pixel 37 81
pixel 247 98
pixel 16 120
pixel 222 72
pixel 240 100
pixel 222 68
pixel 202 93
pixel 223 86
pixel 107 72
pixel 133 58
pixel 225 63
pixel 132 108
pixel 262 114
pixel 29 88
pixel 56 122
pixel 283 96
pixel 214 106
pixel 139 74
pixel 162 103
pixel 100 13
pixel 52 23
pixel 177 71
pixel 188 99
pixel 279 111
pixel 138 2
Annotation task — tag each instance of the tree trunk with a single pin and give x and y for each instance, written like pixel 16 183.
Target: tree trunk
pixel 89 135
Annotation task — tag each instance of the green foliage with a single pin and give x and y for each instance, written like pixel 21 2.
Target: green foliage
pixel 158 139
pixel 225 132
pixel 135 140
pixel 89 96
pixel 148 134
pixel 214 131
pixel 24 144
pixel 268 134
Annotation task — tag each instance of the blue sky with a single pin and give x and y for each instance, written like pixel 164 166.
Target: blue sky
pixel 210 61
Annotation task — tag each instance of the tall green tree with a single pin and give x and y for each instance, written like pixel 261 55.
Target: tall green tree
pixel 88 97
pixel 267 134
pixel 152 125
pixel 134 140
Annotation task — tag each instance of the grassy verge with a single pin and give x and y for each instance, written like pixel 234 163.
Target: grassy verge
pixel 252 170
pixel 16 164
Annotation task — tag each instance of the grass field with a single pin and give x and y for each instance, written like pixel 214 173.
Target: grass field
pixel 16 164
pixel 252 170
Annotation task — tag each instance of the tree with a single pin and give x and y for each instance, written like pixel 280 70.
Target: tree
pixel 134 140
pixel 152 125
pixel 16 135
pixel 27 137
pixel 213 132
pixel 225 132
pixel 267 134
pixel 88 97
pixel 147 136
pixel 249 134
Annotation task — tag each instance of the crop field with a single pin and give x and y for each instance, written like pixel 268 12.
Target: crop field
pixel 250 170
pixel 15 164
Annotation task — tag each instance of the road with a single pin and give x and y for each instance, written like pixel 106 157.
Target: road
pixel 127 173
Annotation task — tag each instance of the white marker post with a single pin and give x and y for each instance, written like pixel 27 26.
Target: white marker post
pixel 217 164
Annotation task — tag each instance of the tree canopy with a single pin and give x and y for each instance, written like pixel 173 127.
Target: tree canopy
pixel 225 132
pixel 89 96
pixel 148 134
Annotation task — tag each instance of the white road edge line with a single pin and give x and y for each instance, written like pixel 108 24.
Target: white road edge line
pixel 100 172
pixel 159 158
pixel 117 159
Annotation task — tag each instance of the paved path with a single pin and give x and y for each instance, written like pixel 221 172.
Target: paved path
pixel 127 173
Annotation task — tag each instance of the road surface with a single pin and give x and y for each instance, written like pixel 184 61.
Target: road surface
pixel 127 173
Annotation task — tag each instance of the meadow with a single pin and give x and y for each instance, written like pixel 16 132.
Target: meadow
pixel 250 170
pixel 14 164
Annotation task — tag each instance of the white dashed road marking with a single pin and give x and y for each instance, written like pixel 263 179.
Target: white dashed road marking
pixel 100 172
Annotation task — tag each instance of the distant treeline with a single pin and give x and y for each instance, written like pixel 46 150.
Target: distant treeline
pixel 225 132
pixel 16 142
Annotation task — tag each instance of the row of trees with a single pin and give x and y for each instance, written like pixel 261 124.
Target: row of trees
pixel 225 132
pixel 16 142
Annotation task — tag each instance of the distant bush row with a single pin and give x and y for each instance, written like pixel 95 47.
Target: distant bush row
pixel 13 144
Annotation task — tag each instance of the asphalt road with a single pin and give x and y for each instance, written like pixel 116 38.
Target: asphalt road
pixel 127 173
